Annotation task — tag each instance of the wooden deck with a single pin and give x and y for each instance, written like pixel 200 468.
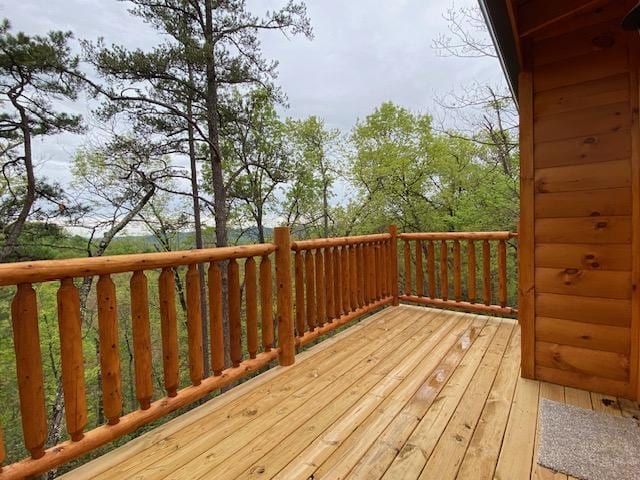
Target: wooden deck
pixel 408 393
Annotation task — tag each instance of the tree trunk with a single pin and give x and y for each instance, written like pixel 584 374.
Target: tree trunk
pixel 198 234
pixel 219 191
pixel 14 230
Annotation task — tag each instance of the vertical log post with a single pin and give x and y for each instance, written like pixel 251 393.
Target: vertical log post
pixel 321 305
pixel 286 338
pixel 419 270
pixel 194 326
pixel 444 271
pixel 393 264
pixel 216 335
pixel 407 268
pixel 379 270
pixel 337 282
pixel 109 357
pixel 367 273
pixel 310 281
pixel 353 268
pixel 235 327
pixel 3 451
pixel 141 338
pixel 300 306
pixel 169 331
pixel 328 275
pixel 69 324
pixel 266 303
pixel 251 289
pixel 502 273
pixel 486 272
pixel 431 268
pixel 457 284
pixel 26 341
pixel 361 275
pixel 471 271
pixel 346 297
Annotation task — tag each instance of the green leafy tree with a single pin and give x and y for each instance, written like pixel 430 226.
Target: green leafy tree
pixel 316 151
pixel 254 145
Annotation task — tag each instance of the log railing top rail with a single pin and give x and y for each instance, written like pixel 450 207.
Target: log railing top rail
pixel 48 270
pixel 458 236
pixel 338 241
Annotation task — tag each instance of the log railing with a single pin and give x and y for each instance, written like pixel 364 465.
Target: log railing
pixel 459 270
pixel 332 281
pixel 338 280
pixel 256 265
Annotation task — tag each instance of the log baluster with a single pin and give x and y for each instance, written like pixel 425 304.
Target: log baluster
pixel 471 271
pixel 235 325
pixel 328 275
pixel 384 266
pixel 194 325
pixel 216 335
pixel 502 273
pixel 372 272
pixel 353 268
pixel 457 282
pixel 367 273
pixel 139 290
pixel 419 270
pixel 299 285
pixel 251 299
pixel 337 281
pixel 73 386
pixel 266 303
pixel 393 263
pixel 431 268
pixel 486 272
pixel 346 285
pixel 26 342
pixel 321 301
pixel 444 271
pixel 378 263
pixel 407 268
pixel 169 331
pixel 361 275
pixel 109 356
pixel 286 334
pixel 310 278
pixel 3 451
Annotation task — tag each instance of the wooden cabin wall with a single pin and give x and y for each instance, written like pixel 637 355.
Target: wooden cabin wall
pixel 580 202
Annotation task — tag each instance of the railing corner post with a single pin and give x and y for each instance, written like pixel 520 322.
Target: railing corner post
pixel 393 230
pixel 286 335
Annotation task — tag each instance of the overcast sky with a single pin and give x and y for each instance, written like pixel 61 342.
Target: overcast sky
pixel 364 52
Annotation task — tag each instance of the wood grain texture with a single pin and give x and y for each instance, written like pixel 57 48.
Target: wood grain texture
pixel 26 342
pixel 169 330
pixel 216 333
pixel 73 384
pixel 587 256
pixel 194 323
pixel 109 355
pixel 140 329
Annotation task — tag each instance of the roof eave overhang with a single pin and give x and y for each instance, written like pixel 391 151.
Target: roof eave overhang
pixel 497 18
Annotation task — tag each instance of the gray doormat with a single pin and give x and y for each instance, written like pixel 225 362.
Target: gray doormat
pixel 587 444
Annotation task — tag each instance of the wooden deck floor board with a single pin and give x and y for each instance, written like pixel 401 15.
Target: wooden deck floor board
pixel 366 393
pixel 387 428
pixel 409 393
pixel 206 452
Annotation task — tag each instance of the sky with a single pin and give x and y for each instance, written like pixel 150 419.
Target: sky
pixel 364 52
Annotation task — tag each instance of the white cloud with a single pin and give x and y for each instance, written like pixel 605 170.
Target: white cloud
pixel 364 52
